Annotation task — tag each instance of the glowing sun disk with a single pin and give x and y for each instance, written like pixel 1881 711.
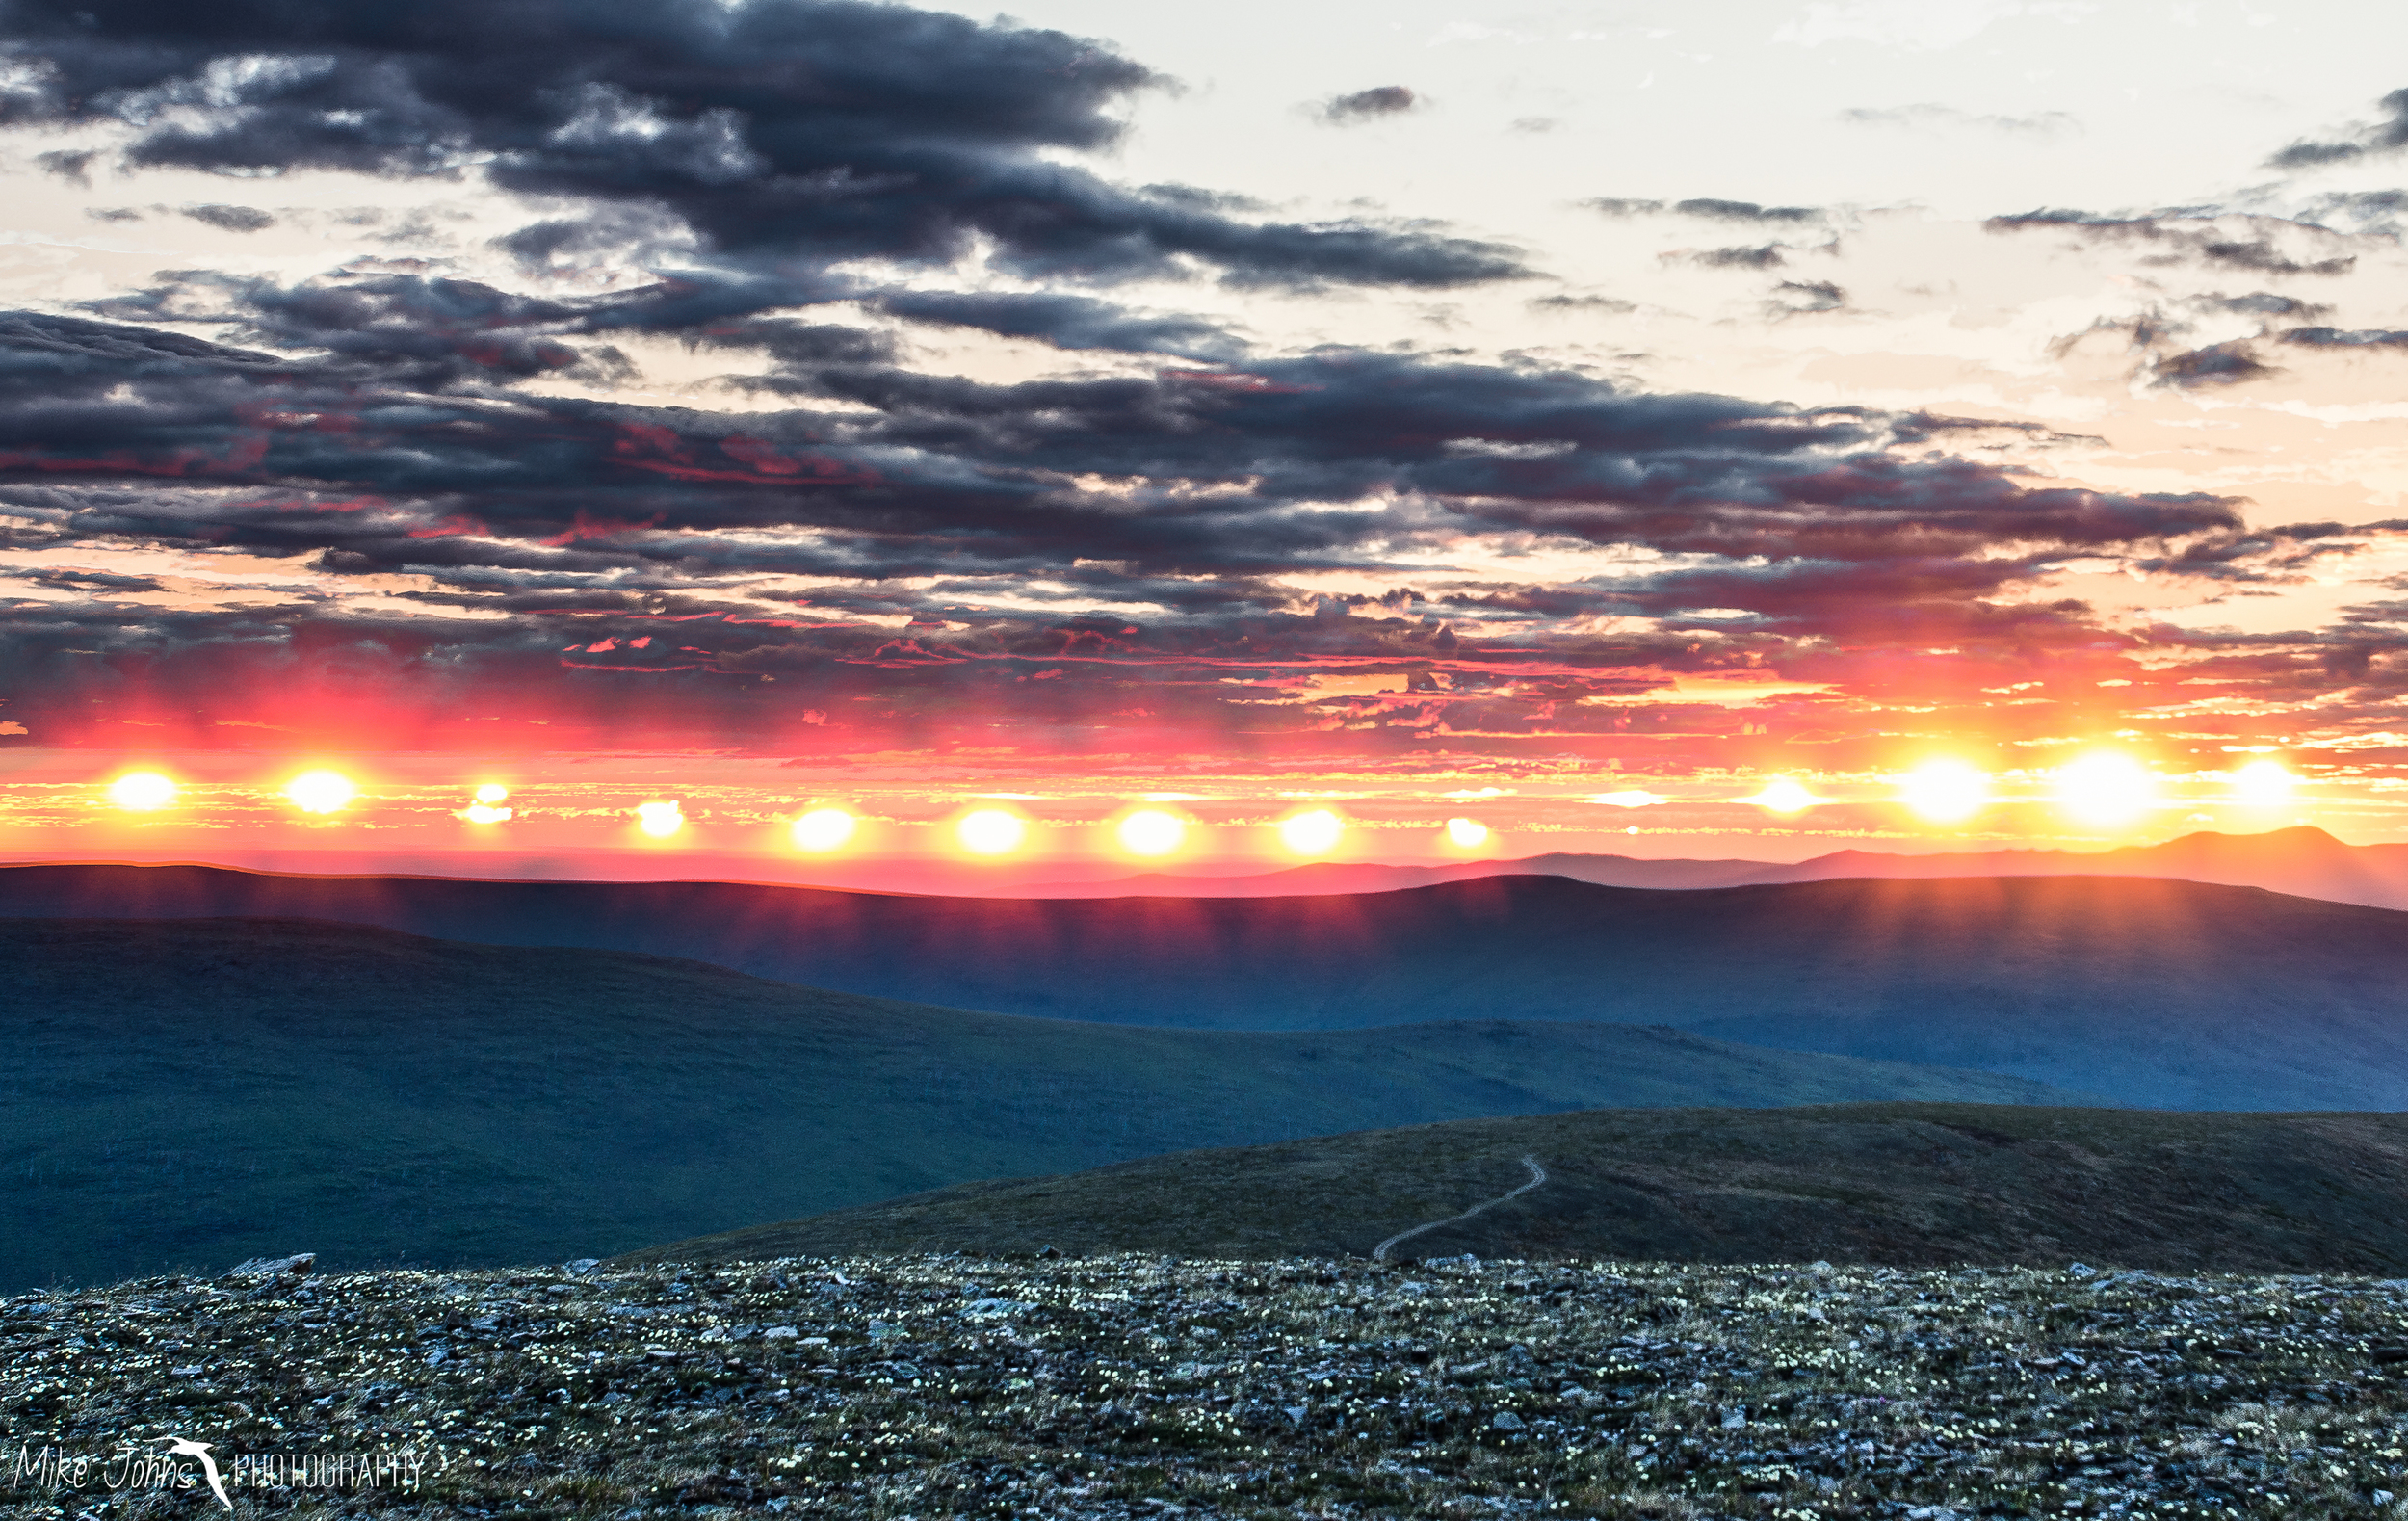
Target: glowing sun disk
pixel 1945 791
pixel 991 832
pixel 659 820
pixel 2106 788
pixel 1151 831
pixel 1782 795
pixel 1312 834
pixel 1468 835
pixel 321 791
pixel 824 829
pixel 142 791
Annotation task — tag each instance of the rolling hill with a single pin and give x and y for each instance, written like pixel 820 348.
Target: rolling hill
pixel 2304 861
pixel 1910 1185
pixel 2145 991
pixel 192 1092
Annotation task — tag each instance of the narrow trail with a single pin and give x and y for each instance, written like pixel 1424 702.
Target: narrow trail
pixel 1538 1175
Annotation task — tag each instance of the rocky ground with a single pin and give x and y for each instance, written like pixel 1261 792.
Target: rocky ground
pixel 1138 1386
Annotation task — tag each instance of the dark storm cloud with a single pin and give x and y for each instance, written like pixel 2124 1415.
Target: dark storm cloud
pixel 1068 322
pixel 772 129
pixel 1367 105
pixel 1220 471
pixel 2388 136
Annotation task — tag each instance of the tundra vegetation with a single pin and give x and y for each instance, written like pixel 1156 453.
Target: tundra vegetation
pixel 1140 1386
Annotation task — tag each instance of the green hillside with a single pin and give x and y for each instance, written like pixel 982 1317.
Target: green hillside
pixel 187 1093
pixel 1904 1184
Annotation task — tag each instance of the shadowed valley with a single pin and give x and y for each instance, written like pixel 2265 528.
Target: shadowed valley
pixel 193 1093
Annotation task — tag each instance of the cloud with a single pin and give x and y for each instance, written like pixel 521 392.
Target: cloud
pixel 1925 117
pixel 769 130
pixel 71 166
pixel 1792 297
pixel 2260 304
pixel 1706 208
pixel 2348 338
pixel 1611 304
pixel 992 519
pixel 2388 136
pixel 232 219
pixel 2217 364
pixel 1367 105
pixel 2236 243
pixel 1764 256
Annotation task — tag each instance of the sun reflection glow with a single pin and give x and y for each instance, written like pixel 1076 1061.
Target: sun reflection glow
pixel 991 832
pixel 824 829
pixel 2263 784
pixel 321 791
pixel 1152 831
pixel 1945 791
pixel 2106 788
pixel 659 820
pixel 1314 833
pixel 142 791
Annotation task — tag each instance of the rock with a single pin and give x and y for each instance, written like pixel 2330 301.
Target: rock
pixel 293 1267
pixel 1508 1421
pixel 581 1267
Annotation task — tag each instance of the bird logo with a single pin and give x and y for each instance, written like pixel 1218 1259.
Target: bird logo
pixel 186 1447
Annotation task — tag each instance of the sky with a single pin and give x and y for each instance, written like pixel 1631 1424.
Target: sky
pixel 1747 429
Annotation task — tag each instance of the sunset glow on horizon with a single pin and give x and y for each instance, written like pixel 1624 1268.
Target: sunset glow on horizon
pixel 1563 502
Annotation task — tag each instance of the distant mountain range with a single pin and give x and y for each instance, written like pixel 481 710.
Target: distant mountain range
pixel 2304 862
pixel 185 1094
pixel 2172 994
pixel 1911 1185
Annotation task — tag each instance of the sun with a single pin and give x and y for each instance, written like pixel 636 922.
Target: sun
pixel 486 804
pixel 1151 831
pixel 1466 834
pixel 1784 795
pixel 142 791
pixel 990 831
pixel 1314 833
pixel 659 820
pixel 321 791
pixel 1945 791
pixel 823 829
pixel 2106 788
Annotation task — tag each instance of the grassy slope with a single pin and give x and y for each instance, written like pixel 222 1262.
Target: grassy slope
pixel 192 1092
pixel 1904 1184
pixel 2164 993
